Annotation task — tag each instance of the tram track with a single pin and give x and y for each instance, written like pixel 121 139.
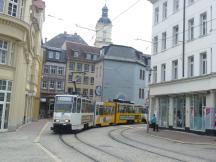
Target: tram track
pixel 140 148
pixel 91 146
pixel 101 150
pixel 122 133
pixel 77 150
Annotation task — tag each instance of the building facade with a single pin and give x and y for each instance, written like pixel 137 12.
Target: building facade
pixel 53 78
pixel 103 30
pixel 121 73
pixel 54 70
pixel 183 89
pixel 20 61
pixel 81 69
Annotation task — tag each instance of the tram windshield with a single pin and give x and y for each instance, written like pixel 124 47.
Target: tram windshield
pixel 63 107
pixel 63 104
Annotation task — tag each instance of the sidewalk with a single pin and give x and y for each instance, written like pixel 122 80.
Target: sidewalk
pixel 183 137
pixel 19 146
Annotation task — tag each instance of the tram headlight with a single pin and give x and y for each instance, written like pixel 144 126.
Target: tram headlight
pixel 57 120
pixel 67 120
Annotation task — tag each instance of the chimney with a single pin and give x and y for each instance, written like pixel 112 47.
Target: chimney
pixel 75 33
pixel 65 32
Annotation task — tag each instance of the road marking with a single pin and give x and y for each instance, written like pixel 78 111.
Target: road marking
pixel 49 153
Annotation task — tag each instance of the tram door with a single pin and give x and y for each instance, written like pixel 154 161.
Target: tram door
pixel 1 115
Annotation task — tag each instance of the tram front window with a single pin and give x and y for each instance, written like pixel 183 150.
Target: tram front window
pixel 63 107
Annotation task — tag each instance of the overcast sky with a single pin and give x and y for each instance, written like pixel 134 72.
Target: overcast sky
pixel 127 26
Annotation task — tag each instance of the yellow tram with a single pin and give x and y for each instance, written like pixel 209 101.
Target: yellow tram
pixel 117 112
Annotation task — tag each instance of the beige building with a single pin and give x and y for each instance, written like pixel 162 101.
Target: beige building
pixel 20 61
pixel 81 69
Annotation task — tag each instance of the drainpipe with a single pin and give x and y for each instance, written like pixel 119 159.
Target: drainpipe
pixel 183 45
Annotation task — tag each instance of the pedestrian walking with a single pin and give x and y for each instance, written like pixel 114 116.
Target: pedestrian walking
pixel 154 122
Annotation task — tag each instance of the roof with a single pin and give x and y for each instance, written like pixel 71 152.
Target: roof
pixel 81 48
pixel 60 39
pixel 126 53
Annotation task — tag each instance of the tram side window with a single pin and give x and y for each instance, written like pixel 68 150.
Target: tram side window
pixel 78 105
pixel 101 110
pixel 74 105
pixel 83 106
pixel 131 109
pixel 97 109
pixel 89 107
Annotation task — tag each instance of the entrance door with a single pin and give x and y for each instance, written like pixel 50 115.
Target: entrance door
pixel 2 97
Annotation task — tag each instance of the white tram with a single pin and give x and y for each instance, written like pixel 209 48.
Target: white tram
pixel 72 112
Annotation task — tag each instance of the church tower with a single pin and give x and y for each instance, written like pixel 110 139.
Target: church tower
pixel 103 29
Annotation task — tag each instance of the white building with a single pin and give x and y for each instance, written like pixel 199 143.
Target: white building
pixel 183 89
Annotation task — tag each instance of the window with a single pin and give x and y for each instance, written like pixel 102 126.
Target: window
pixel 53 69
pixel 175 69
pixel 52 85
pixel 44 85
pixel 59 85
pixel 164 10
pixel 72 66
pixel 155 74
pixel 46 69
pixel 175 5
pixel 163 45
pixel 156 16
pixel 142 74
pixel 190 66
pixel 203 24
pixel 70 78
pixel 155 49
pixel 92 80
pixel 50 54
pixel 60 70
pixel 76 54
pixel 1 5
pixel 191 29
pixel 3 84
pixel 86 68
pixel 88 56
pixel 86 80
pixel 13 7
pixel 163 72
pixel 79 79
pixel 79 67
pixel 91 93
pixel 175 35
pixel 93 68
pixel 3 51
pixel 141 93
pixel 57 55
pixel 203 63
pixel 85 92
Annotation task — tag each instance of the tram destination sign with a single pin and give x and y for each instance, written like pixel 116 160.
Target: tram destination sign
pixel 64 98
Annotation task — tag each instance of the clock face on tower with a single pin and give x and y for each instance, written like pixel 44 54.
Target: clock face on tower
pixel 98 90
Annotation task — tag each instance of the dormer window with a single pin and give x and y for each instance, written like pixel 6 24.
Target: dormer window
pixel 50 54
pixel 76 54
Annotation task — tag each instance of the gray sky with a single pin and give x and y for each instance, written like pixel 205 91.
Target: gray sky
pixel 127 27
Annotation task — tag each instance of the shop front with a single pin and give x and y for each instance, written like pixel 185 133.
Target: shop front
pixel 179 112
pixel 197 112
pixel 163 111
